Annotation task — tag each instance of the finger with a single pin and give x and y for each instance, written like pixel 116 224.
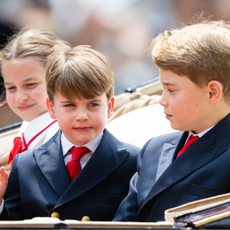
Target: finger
pixel 3 172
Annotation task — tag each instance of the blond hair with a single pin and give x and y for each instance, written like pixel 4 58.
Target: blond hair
pixel 199 51
pixel 79 72
pixel 38 43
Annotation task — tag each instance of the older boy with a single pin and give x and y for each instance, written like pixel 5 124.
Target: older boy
pixel 194 64
pixel 44 181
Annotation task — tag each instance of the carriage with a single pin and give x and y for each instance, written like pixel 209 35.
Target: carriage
pixel 137 117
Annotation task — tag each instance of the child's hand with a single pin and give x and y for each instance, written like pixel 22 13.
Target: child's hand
pixel 3 182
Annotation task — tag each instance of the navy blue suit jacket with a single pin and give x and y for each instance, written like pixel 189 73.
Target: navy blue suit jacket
pixel 39 183
pixel 162 182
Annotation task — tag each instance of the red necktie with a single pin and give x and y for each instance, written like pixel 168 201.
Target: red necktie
pixel 189 142
pixel 16 149
pixel 74 166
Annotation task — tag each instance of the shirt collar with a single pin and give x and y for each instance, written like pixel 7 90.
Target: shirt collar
pixel 33 127
pixel 92 145
pixel 200 134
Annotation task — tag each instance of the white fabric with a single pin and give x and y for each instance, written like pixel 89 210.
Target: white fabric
pixel 140 125
pixel 35 126
pixel 23 127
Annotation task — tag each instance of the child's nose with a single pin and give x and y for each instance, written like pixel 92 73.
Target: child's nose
pixel 82 115
pixel 163 100
pixel 21 96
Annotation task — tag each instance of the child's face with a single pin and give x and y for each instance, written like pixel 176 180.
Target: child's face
pixel 81 120
pixel 185 104
pixel 24 80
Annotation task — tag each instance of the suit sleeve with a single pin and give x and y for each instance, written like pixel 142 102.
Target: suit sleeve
pixel 129 207
pixel 12 198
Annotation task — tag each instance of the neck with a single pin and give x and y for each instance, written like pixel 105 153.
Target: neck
pixel 215 115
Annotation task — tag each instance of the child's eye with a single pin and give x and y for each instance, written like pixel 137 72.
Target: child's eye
pixel 93 104
pixel 69 105
pixel 10 89
pixel 170 90
pixel 31 85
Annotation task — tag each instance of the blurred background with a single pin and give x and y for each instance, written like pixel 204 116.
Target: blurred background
pixel 120 29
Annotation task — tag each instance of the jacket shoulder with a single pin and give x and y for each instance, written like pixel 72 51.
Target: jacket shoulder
pixel 165 138
pixel 132 149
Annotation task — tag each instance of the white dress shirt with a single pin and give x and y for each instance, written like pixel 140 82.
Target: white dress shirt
pixel 67 145
pixel 198 134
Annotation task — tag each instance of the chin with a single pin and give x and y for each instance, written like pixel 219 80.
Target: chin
pixel 81 142
pixel 27 118
pixel 176 127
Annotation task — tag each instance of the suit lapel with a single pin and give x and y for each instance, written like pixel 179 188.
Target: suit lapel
pixel 56 173
pixel 204 150
pixel 109 155
pixel 162 160
pixel 166 158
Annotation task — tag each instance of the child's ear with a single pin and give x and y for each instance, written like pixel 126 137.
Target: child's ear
pixel 50 107
pixel 110 107
pixel 215 91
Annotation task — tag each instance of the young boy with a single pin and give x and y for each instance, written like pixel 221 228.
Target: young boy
pixel 194 64
pixel 42 181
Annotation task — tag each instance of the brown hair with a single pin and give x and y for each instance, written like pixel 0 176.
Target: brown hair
pixel 79 71
pixel 199 51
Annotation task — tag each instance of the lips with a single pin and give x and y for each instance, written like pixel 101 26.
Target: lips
pixel 168 116
pixel 82 128
pixel 25 107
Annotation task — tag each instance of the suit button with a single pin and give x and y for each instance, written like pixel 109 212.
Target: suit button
pixel 85 218
pixel 55 214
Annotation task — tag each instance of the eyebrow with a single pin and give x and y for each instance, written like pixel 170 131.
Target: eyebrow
pixel 66 102
pixel 90 100
pixel 25 80
pixel 95 100
pixel 168 83
pixel 30 78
